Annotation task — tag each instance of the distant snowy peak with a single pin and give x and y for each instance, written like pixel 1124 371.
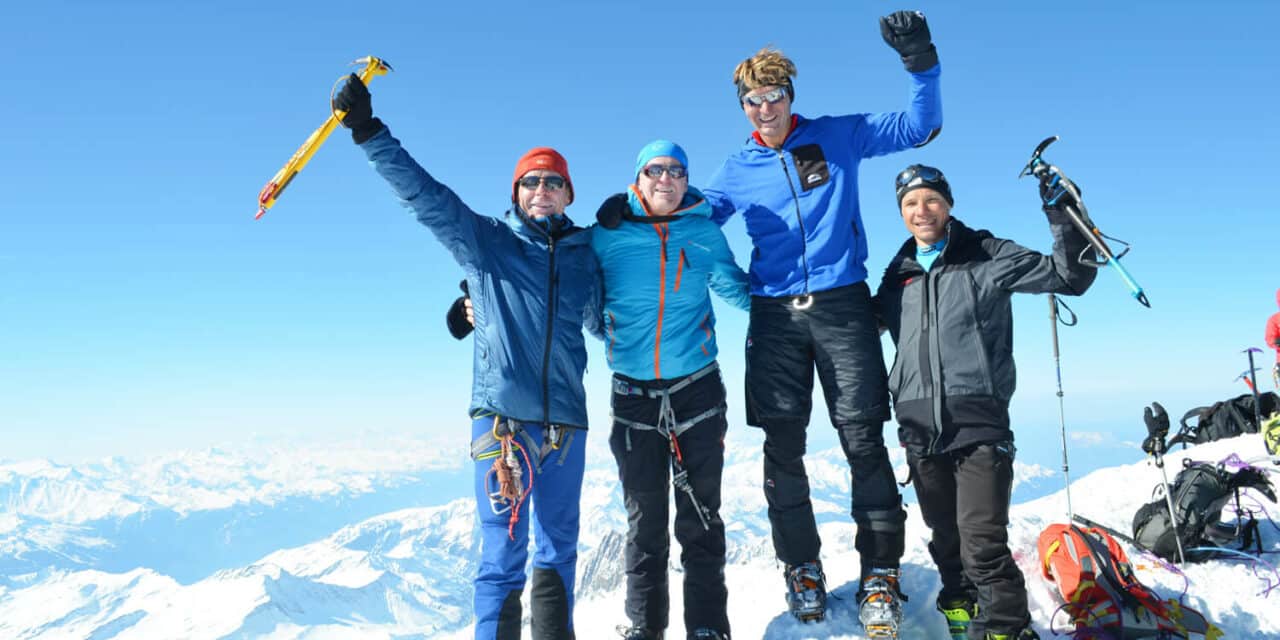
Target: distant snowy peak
pixel 188 482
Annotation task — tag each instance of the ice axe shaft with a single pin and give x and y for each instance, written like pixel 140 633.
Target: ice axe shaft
pixel 276 186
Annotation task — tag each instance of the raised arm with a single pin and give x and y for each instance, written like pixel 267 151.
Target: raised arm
pixel 907 32
pixel 454 224
pixel 1022 270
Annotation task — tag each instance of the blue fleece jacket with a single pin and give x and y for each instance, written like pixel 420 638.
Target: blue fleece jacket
pixel 800 202
pixel 657 310
pixel 532 292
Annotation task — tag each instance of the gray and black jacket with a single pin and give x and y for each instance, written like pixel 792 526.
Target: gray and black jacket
pixel 953 374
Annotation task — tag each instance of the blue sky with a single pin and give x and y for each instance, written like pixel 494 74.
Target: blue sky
pixel 143 309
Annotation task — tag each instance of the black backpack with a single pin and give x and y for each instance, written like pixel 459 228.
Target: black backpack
pixel 1226 419
pixel 1199 493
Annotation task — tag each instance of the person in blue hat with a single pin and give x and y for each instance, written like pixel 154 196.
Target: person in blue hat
pixel 662 258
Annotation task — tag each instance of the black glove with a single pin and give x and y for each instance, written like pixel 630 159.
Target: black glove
pixel 354 98
pixel 908 33
pixel 1157 428
pixel 456 319
pixel 1063 197
pixel 613 210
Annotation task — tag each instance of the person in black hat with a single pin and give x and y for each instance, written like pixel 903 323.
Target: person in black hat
pixel 945 299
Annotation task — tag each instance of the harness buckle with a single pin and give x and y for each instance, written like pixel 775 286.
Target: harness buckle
pixel 802 302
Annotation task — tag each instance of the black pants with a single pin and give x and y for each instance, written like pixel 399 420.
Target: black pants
pixel 836 336
pixel 645 471
pixel 964 497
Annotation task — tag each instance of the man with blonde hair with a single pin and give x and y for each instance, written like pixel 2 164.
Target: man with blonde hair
pixel 795 182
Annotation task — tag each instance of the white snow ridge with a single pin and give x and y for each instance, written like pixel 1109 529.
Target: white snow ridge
pixel 378 541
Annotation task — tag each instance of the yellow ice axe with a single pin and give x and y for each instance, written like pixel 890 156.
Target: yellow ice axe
pixel 267 197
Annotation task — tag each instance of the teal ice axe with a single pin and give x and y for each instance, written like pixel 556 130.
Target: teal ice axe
pixel 1064 194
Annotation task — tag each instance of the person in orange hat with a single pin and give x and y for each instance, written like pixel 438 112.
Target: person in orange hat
pixel 535 285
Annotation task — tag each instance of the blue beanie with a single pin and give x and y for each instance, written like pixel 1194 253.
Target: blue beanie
pixel 657 149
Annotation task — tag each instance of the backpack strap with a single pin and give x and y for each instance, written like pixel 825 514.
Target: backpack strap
pixel 1187 434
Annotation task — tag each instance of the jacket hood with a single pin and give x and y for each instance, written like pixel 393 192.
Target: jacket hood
pixel 694 204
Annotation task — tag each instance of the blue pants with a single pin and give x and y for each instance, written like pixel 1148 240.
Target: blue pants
pixel 552 507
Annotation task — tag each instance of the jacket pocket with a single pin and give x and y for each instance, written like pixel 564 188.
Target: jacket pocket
pixel 680 265
pixel 811 166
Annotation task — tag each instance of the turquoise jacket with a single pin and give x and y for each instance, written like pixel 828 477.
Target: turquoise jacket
pixel 533 293
pixel 658 276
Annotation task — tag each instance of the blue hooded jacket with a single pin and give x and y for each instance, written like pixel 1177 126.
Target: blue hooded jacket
pixel 657 309
pixel 532 293
pixel 800 202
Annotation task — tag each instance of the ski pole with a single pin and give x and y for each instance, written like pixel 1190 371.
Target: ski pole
pixel 1253 386
pixel 1052 178
pixel 1157 421
pixel 1054 301
pixel 267 197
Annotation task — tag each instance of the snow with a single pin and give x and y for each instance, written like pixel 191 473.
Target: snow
pixel 377 540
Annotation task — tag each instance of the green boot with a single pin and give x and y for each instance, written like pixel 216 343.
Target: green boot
pixel 959 611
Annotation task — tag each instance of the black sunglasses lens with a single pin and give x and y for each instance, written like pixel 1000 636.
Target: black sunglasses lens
pixel 655 171
pixel 553 182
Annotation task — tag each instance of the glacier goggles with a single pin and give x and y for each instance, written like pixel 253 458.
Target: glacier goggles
pixel 919 175
pixel 772 96
pixel 552 183
pixel 655 171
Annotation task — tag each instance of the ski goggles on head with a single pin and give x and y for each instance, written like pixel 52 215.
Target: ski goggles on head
pixel 773 96
pixel 655 171
pixel 552 183
pixel 919 175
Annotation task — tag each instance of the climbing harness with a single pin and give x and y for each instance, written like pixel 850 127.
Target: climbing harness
pixel 671 428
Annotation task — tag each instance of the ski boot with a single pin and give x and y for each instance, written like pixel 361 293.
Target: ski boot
pixel 638 632
pixel 959 611
pixel 703 633
pixel 880 603
pixel 1025 634
pixel 807 591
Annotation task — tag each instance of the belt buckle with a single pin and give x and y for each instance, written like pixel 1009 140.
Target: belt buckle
pixel 802 302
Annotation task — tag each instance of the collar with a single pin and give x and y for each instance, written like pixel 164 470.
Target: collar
pixel 795 121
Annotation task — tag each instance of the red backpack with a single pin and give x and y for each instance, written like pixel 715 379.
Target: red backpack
pixel 1102 595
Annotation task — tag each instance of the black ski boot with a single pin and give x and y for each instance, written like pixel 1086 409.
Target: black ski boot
pixel 807 591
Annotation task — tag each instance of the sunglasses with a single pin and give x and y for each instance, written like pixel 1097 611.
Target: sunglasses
pixel 773 96
pixel 926 175
pixel 552 183
pixel 655 171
